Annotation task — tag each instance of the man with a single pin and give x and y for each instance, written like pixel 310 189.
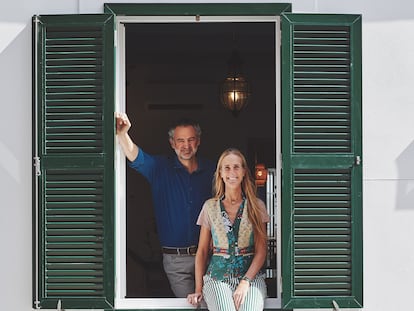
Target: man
pixel 180 184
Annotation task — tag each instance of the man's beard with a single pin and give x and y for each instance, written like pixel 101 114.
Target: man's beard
pixel 187 155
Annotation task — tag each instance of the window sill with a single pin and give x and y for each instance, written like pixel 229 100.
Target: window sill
pixel 173 303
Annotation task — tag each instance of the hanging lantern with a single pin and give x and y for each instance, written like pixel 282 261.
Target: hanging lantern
pixel 234 90
pixel 260 175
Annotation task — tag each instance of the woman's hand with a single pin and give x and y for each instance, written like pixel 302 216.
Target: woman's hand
pixel 240 293
pixel 195 298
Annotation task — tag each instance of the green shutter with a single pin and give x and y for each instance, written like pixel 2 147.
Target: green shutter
pixel 321 161
pixel 73 128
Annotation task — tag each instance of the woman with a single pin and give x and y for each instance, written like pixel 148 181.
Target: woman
pixel 233 241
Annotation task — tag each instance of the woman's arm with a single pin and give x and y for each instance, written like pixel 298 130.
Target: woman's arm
pixel 260 250
pixel 201 259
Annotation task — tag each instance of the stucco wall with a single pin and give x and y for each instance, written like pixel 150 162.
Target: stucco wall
pixel 388 109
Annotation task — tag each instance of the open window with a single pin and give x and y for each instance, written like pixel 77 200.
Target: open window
pixel 81 199
pixel 173 67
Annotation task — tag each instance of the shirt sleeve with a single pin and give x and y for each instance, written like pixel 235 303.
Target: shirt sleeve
pixel 263 211
pixel 203 219
pixel 145 164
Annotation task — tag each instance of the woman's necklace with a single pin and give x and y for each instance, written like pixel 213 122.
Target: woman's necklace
pixel 234 201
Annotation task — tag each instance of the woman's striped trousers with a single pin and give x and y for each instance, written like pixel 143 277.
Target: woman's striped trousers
pixel 218 295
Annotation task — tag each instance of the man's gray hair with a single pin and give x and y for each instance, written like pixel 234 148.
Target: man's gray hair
pixel 184 122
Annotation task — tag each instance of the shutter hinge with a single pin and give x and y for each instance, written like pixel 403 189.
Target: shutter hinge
pixel 280 161
pixel 37 304
pixel 281 285
pixel 36 164
pixel 280 36
pixel 358 160
pixel 115 38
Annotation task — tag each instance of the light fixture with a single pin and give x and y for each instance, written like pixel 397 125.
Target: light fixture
pixel 234 89
pixel 260 174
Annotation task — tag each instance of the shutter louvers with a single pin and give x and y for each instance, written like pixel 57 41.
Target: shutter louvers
pixel 73 90
pixel 321 63
pixel 74 233
pixel 75 134
pixel 321 182
pixel 322 232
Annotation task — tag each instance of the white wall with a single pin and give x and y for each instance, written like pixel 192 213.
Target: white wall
pixel 388 110
pixel 389 160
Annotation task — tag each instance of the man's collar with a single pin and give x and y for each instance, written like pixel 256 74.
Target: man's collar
pixel 179 165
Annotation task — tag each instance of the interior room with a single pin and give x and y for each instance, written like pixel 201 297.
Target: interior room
pixel 176 70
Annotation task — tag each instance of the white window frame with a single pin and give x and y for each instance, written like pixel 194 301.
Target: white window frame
pixel 120 175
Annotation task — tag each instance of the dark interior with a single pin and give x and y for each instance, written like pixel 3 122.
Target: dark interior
pixel 175 71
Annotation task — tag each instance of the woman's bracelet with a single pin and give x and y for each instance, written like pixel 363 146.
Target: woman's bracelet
pixel 247 279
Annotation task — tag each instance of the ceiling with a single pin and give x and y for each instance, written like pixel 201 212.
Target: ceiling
pixel 194 40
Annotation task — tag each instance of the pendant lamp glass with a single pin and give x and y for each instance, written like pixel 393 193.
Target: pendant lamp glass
pixel 234 90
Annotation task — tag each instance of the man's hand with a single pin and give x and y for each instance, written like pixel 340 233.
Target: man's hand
pixel 122 123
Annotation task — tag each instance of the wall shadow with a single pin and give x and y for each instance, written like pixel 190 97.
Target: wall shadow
pixel 405 184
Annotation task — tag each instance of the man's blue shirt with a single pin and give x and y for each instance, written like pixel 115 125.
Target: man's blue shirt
pixel 177 196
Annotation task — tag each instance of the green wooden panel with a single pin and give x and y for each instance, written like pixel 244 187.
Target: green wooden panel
pixel 73 126
pixel 184 9
pixel 321 151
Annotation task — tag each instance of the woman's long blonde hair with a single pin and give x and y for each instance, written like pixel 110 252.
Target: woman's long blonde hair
pixel 248 188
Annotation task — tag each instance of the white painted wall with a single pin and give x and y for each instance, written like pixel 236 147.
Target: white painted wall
pixel 388 113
